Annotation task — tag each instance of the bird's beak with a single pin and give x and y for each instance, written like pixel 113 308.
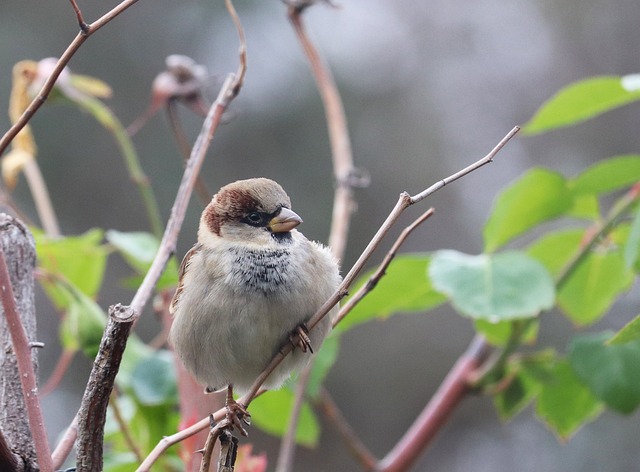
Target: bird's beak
pixel 285 221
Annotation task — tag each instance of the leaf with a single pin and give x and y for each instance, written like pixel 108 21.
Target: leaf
pixel 404 288
pixel 270 412
pixel 555 249
pixel 498 333
pixel 629 332
pixel 580 101
pixel 538 196
pixel 154 380
pixel 139 249
pixel 493 287
pixel 564 402
pixel 81 260
pixel 594 286
pixel 608 175
pixel 611 371
pixel 322 363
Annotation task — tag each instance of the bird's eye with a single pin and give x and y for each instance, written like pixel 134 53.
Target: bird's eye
pixel 255 218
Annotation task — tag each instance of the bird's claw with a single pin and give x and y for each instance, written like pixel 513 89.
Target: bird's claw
pixel 303 342
pixel 236 415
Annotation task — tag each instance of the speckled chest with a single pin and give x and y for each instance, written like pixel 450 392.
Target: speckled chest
pixel 266 272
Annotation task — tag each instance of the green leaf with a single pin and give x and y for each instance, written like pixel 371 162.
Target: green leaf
pixel 538 196
pixel 585 206
pixel 270 412
pixel 582 100
pixel 555 249
pixel 404 288
pixel 493 287
pixel 322 363
pixel 607 176
pixel 498 333
pixel 612 371
pixel 564 402
pixel 154 380
pixel 632 244
pixel 139 249
pixel 629 332
pixel 594 286
pixel 83 323
pixel 81 260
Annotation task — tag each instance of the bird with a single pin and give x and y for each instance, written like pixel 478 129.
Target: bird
pixel 247 287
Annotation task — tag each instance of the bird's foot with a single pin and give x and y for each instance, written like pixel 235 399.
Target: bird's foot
pixel 303 341
pixel 237 414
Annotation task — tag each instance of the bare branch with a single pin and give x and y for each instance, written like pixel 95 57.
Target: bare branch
pixel 452 390
pixel 380 272
pixel 93 409
pixel 366 459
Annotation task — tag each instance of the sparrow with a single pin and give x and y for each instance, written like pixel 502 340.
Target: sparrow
pixel 247 287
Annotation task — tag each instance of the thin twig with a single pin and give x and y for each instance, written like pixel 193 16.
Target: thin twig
pixel 380 272
pixel 81 23
pixel 168 441
pixel 28 380
pixel 39 100
pixel 185 149
pixel 65 445
pixel 124 427
pixel 452 390
pixel 207 451
pixel 331 411
pixel 58 371
pixel 41 198
pixel 288 443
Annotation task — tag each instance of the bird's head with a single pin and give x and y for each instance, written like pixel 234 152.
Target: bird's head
pixel 255 211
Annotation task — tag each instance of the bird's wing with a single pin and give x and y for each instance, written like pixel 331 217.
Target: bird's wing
pixel 184 266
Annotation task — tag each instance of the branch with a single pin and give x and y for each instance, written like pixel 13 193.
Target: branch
pixel 17 250
pixel 452 390
pixel 343 169
pixel 93 409
pixel 39 100
pixel 380 272
pixel 366 459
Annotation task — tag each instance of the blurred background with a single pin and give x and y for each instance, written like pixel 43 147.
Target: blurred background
pixel 429 87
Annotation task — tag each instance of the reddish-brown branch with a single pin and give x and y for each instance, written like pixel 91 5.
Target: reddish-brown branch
pixel 451 392
pixel 22 351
